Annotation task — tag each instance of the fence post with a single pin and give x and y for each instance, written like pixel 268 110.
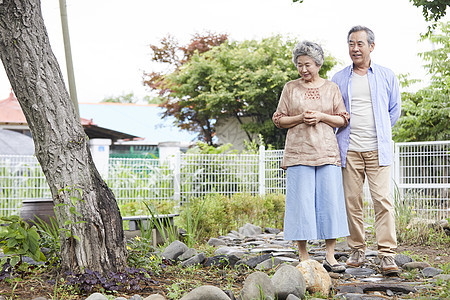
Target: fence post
pixel 262 171
pixel 100 155
pixel 396 171
pixel 177 178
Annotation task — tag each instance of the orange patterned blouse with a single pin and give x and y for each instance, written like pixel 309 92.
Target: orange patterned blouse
pixel 305 144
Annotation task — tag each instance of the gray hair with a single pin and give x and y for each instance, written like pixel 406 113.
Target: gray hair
pixel 310 49
pixel 370 34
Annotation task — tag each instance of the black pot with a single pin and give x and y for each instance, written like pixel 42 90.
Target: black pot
pixel 37 208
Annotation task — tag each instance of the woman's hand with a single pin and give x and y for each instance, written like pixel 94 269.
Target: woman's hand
pixel 311 117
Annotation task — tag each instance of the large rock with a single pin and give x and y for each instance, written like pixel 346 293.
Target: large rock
pixel 316 277
pixel 206 292
pixel 97 296
pixel 155 297
pixel 174 250
pixel 250 230
pixel 196 260
pixel 257 284
pixel 288 280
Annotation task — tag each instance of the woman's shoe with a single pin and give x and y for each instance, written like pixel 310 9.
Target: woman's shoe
pixel 337 268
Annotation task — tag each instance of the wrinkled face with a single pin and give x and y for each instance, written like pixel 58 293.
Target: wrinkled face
pixel 307 68
pixel 359 48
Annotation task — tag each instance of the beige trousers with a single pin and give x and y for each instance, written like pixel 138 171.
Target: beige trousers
pixel 359 165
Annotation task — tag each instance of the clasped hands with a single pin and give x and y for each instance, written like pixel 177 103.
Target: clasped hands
pixel 311 117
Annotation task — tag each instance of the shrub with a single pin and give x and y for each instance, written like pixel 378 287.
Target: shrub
pixel 219 214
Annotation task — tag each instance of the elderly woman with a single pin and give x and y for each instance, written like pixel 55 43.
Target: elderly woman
pixel 312 107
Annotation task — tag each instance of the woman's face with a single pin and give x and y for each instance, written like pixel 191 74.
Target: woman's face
pixel 307 68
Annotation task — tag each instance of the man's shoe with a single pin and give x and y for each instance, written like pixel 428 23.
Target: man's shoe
pixel 356 259
pixel 388 266
pixel 337 268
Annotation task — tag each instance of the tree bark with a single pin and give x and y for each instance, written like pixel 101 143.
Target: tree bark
pixel 61 146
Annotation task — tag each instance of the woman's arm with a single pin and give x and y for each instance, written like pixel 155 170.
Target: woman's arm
pixel 290 121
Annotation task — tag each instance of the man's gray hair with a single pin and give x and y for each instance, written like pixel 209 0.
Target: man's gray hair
pixel 370 34
pixel 310 49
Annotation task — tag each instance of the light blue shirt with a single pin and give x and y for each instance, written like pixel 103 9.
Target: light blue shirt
pixel 386 104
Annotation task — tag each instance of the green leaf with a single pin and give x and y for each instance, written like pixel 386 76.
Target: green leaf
pixel 11 243
pixel 14 260
pixel 72 210
pixel 33 241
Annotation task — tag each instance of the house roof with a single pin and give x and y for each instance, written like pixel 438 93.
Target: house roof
pixel 11 114
pixel 14 143
pixel 141 120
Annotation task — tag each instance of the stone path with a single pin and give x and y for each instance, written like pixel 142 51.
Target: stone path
pixel 249 247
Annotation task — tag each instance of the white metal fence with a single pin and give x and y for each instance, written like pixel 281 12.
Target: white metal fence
pixel 421 173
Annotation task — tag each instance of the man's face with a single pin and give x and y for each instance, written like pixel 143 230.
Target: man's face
pixel 359 49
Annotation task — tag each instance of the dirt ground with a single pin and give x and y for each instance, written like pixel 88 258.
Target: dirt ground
pixel 34 286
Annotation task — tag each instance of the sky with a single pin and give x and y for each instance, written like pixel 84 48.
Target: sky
pixel 110 39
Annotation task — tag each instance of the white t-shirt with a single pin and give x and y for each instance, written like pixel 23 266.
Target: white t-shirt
pixel 363 135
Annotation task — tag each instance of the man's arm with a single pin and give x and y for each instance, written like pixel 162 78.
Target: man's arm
pixel 395 101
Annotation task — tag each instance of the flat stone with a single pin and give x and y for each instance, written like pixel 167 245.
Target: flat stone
pixel 283 243
pixel 237 251
pixel 271 249
pixel 216 242
pixel 254 261
pixel 443 277
pixel 431 272
pixel 272 230
pixel 221 261
pixel 268 264
pixel 254 243
pixel 350 289
pixel 372 279
pixel 359 272
pixel 291 255
pixel 416 265
pixel 349 296
pixel 379 287
pixel 371 253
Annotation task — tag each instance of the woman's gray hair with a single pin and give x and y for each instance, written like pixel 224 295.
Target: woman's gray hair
pixel 310 49
pixel 370 34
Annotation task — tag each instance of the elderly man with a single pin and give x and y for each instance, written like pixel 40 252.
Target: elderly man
pixel 371 96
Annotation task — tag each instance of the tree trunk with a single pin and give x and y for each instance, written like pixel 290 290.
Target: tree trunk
pixel 61 146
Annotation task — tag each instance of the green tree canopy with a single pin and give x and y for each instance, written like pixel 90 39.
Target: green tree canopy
pixel 426 113
pixel 125 98
pixel 234 80
pixel 432 10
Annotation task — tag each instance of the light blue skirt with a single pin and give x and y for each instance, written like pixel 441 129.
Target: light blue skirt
pixel 315 204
